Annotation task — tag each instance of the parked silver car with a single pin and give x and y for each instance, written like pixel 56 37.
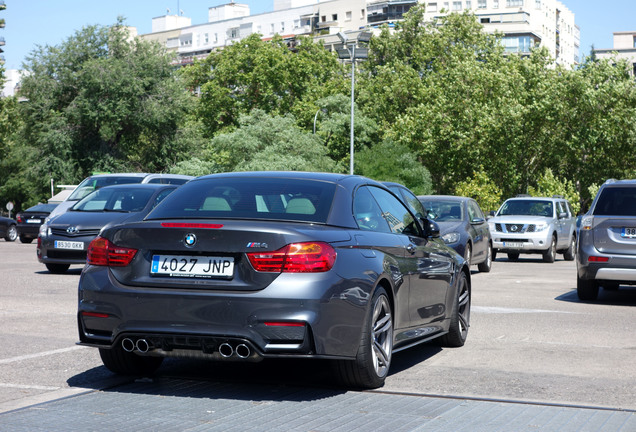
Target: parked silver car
pixel 534 225
pixel 607 240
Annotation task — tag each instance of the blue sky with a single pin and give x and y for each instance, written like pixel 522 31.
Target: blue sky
pixel 49 22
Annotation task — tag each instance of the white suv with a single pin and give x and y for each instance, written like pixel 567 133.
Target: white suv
pixel 534 225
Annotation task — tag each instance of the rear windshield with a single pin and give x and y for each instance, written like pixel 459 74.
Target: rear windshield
pixel 527 208
pixel 115 199
pixel 42 208
pixel 249 198
pixel 92 183
pixel 616 201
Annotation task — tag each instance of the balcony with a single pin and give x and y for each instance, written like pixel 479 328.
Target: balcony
pixel 3 5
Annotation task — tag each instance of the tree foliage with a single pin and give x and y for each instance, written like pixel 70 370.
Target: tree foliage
pixel 101 101
pixel 439 106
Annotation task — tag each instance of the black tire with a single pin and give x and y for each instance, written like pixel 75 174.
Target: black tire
pixel 57 268
pixel 550 254
pixel 570 252
pixel 24 239
pixel 460 316
pixel 121 362
pixel 486 266
pixel 12 233
pixel 373 360
pixel 586 289
pixel 513 256
pixel 468 254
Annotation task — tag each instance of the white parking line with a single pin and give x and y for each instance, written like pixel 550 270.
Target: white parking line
pixel 503 310
pixel 28 387
pixel 40 354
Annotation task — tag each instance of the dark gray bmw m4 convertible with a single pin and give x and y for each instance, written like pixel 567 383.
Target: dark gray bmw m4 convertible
pixel 253 265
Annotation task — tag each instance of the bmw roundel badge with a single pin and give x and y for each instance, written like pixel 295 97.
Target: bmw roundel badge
pixel 190 240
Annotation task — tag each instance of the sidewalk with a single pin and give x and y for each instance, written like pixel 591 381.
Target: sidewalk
pixel 167 404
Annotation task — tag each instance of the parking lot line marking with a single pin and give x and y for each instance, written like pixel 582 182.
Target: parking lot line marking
pixel 504 310
pixel 27 387
pixel 41 354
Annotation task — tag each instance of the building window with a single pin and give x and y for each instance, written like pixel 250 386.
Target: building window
pixel 282 27
pixel 334 17
pixel 484 20
pixel 363 13
pixel 481 4
pixel 272 28
pixel 457 5
pixel 206 38
pixel 431 7
pixel 514 3
pixel 234 33
pixel 216 37
pixel 348 16
pixel 537 4
pixel 495 4
pixel 634 41
pixel 469 4
pixel 323 18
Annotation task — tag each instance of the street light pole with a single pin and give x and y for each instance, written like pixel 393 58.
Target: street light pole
pixel 353 83
pixel 348 51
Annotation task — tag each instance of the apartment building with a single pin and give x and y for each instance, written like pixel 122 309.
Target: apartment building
pixel 624 49
pixel 523 23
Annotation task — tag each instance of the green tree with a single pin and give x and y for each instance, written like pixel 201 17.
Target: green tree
pixel 482 189
pixel 263 142
pixel 266 75
pixel 394 162
pixel 102 101
pixel 549 185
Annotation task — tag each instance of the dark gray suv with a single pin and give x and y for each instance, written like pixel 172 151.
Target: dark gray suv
pixel 607 240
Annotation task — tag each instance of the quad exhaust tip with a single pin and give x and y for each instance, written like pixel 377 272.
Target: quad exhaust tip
pixel 226 350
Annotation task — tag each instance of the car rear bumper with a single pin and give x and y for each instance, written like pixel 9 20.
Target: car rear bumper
pixel 595 265
pixel 272 322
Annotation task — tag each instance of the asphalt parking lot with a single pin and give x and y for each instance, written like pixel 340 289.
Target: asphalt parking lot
pixel 536 359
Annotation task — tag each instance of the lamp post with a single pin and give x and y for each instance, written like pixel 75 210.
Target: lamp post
pixel 350 50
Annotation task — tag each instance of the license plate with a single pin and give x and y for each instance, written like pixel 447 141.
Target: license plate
pixel 513 244
pixel 33 221
pixel 59 244
pixel 192 266
pixel 628 232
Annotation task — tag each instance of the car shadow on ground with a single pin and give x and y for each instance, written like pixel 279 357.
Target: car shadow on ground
pixel 72 271
pixel 624 296
pixel 272 379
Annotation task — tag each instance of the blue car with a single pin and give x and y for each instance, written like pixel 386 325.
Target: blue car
pixel 462 226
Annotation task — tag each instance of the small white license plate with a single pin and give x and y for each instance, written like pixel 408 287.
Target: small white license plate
pixel 628 232
pixel 59 244
pixel 33 221
pixel 513 244
pixel 192 266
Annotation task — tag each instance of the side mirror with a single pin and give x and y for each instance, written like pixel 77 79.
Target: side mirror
pixel 563 215
pixel 431 229
pixel 493 213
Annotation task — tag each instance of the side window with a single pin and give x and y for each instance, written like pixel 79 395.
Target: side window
pixel 560 208
pixel 367 212
pixel 161 196
pixel 395 213
pixel 412 202
pixel 474 211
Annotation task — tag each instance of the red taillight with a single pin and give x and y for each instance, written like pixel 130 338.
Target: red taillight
pixel 102 252
pixel 597 259
pixel 313 257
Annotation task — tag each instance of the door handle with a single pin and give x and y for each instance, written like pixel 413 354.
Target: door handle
pixel 410 248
